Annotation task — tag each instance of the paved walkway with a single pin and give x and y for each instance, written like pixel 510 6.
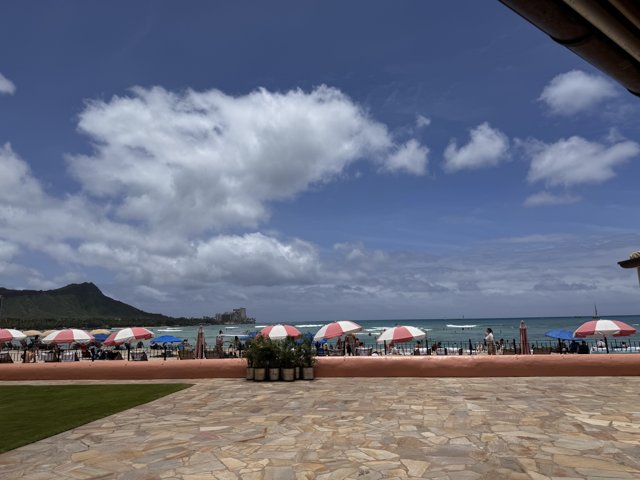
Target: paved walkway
pixel 516 428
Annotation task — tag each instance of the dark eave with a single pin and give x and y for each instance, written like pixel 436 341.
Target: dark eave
pixel 631 263
pixel 605 33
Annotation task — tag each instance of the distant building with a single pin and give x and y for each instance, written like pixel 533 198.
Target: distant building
pixel 238 315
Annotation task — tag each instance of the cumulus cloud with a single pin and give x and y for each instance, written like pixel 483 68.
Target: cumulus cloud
pixel 487 147
pixel 410 157
pixel 576 91
pixel 575 160
pixel 422 121
pixel 196 161
pixel 6 85
pixel 547 198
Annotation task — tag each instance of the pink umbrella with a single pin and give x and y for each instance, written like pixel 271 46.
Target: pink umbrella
pixel 280 332
pixel 200 343
pixel 603 328
pixel 9 334
pixel 337 329
pixel 401 334
pixel 68 335
pixel 127 335
pixel 525 349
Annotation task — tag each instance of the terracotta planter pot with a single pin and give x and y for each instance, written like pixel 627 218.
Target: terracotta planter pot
pixel 259 374
pixel 274 374
pixel 288 374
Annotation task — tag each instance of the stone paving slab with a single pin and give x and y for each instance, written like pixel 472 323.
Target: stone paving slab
pixel 364 428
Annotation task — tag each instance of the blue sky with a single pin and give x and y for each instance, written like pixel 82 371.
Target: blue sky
pixel 314 160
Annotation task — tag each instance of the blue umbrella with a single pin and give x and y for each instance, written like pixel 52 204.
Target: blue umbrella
pixel 166 339
pixel 100 337
pixel 560 334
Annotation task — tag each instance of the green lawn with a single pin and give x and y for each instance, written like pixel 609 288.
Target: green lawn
pixel 29 413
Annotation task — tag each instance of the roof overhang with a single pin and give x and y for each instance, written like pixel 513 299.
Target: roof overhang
pixel 605 33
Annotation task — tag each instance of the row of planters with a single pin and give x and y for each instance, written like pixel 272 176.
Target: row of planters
pixel 279 360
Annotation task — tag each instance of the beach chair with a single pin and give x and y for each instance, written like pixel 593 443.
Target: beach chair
pixel 48 357
pixel 186 355
pixel 69 356
pixel 5 357
pixel 139 356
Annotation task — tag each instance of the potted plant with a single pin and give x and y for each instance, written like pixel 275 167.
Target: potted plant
pixel 287 356
pixel 250 355
pixel 307 359
pixel 273 359
pixel 260 358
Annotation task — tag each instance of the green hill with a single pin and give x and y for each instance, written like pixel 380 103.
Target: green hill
pixel 77 305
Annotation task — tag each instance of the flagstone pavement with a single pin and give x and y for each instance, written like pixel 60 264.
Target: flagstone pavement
pixel 357 428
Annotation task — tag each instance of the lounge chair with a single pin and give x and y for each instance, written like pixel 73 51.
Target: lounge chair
pixel 5 357
pixel 139 356
pixel 69 356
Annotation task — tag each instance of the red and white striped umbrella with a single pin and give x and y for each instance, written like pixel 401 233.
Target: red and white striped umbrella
pixel 280 332
pixel 127 335
pixel 9 334
pixel 604 328
pixel 337 329
pixel 401 334
pixel 68 335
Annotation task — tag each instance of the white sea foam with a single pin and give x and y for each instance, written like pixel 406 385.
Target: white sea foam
pixel 309 325
pixel 169 329
pixel 450 325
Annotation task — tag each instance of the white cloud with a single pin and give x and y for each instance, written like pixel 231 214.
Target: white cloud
pixel 6 85
pixel 487 147
pixel 574 160
pixel 410 157
pixel 576 91
pixel 205 160
pixel 547 198
pixel 422 121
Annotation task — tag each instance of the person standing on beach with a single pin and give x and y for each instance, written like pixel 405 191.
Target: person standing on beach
pixel 220 344
pixel 491 343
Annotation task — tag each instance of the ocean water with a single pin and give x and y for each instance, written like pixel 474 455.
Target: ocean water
pixel 457 331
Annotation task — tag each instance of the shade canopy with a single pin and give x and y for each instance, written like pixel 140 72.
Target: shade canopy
pixel 68 335
pixel 401 334
pixel 560 334
pixel 604 328
pixel 10 334
pixel 166 339
pixel 337 329
pixel 280 332
pixel 100 331
pixel 32 333
pixel 130 334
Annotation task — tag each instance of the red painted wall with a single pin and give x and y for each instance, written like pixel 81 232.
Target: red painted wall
pixel 391 366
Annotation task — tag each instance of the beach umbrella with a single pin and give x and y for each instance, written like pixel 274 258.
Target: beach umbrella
pixel 401 334
pixel 166 339
pixel 280 332
pixel 337 329
pixel 525 349
pixel 68 335
pixel 100 331
pixel 601 327
pixel 48 332
pixel 127 335
pixel 200 343
pixel 560 334
pixel 33 333
pixel 9 334
pixel 110 340
pixel 100 337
